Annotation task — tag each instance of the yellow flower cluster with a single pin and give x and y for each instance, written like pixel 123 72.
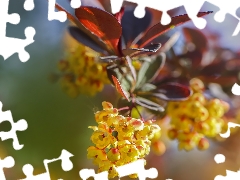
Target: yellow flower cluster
pixel 81 74
pixel 119 140
pixel 196 118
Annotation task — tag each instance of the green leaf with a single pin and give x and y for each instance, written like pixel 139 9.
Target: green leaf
pixel 150 69
pixel 148 104
pixel 132 69
pixel 148 87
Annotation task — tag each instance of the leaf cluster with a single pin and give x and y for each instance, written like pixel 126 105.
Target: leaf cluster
pixel 121 39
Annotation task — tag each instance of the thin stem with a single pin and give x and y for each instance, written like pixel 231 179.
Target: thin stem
pixel 124 108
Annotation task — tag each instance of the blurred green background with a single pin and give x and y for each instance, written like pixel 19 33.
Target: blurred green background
pixel 56 122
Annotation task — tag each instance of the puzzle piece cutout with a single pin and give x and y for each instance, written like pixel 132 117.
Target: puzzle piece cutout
pixel 136 167
pixel 236 87
pixel 29 5
pixel 20 125
pixel 231 175
pixel 61 15
pixel 230 125
pixel 7 162
pixel 9 45
pixel 191 8
pixel 67 165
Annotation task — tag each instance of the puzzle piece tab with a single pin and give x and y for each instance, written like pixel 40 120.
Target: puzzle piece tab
pixel 236 87
pixel 191 8
pixel 20 125
pixel 7 162
pixel 29 5
pixel 230 125
pixel 67 165
pixel 8 45
pixel 136 167
pixel 231 175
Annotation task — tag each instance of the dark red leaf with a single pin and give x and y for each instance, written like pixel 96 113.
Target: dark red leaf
pixel 133 26
pixel 222 80
pixel 214 69
pixel 194 56
pixel 196 37
pixel 233 64
pixel 119 88
pixel 81 37
pixel 80 26
pixel 159 29
pixel 119 15
pixel 172 92
pixel 93 3
pixel 102 24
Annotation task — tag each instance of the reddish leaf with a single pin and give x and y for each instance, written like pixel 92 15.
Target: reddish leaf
pixel 132 26
pixel 233 64
pixel 81 37
pixel 80 26
pixel 222 80
pixel 196 37
pixel 119 15
pixel 213 69
pixel 93 3
pixel 194 56
pixel 159 29
pixel 119 88
pixel 102 24
pixel 172 92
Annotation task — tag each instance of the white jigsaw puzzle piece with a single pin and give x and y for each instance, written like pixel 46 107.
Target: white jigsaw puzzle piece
pixel 67 165
pixel 7 162
pixel 87 173
pixel 230 125
pixel 55 15
pixel 136 167
pixel 75 3
pixel 236 87
pixel 28 171
pixel 8 45
pixel 231 175
pixel 20 125
pixel 191 8
pixel 165 6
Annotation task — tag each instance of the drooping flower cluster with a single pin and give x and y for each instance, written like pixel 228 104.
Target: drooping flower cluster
pixel 81 74
pixel 196 118
pixel 119 140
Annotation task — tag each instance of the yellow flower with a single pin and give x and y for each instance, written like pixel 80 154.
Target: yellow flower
pixel 119 140
pixel 87 75
pixel 195 118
